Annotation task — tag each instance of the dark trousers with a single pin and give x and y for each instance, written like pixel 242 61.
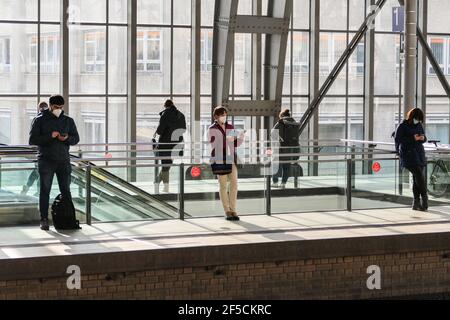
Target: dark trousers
pixel 284 171
pixel 47 170
pixel 420 184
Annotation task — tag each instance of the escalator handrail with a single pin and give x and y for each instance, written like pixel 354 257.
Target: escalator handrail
pixel 141 193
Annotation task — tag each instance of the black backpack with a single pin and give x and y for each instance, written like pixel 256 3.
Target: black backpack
pixel 63 214
pixel 289 133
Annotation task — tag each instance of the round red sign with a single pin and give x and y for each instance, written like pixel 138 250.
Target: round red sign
pixel 376 167
pixel 196 172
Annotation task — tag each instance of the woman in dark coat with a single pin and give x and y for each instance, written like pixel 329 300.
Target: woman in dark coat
pixel 409 140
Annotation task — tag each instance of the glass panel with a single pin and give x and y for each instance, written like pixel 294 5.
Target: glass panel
pixel 385 19
pixel 437 123
pixel 87 11
pixel 387 119
pixel 375 190
pixel 118 60
pixel 386 64
pixel 202 192
pixel 301 63
pixel 332 46
pixel 301 14
pixel 153 12
pixel 181 12
pixel 16 115
pixel 153 60
pixel 50 10
pixel 18 10
pixel 89 114
pixel 357 13
pixel 206 60
pixel 438 10
pixel 356 69
pixel 182 61
pixel 87 56
pixel 208 12
pixel 50 56
pixel 242 64
pixel 118 10
pixel 18 52
pixel 318 193
pixel 333 14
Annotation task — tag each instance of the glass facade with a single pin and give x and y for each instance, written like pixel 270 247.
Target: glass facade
pixel 30 48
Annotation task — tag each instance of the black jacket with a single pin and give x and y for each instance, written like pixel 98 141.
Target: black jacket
pixel 41 135
pixel 172 126
pixel 412 152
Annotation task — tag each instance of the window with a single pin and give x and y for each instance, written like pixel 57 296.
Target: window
pixel 360 59
pixel 207 48
pixel 5 55
pixel 300 51
pixel 332 46
pixel 49 53
pixel 94 51
pixel 438 47
pixel 149 51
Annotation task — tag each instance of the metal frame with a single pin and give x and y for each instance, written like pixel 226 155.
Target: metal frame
pixel 275 25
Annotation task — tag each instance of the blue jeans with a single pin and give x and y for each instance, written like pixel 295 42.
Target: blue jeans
pixel 47 170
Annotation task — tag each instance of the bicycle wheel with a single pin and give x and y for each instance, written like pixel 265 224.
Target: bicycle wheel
pixel 437 179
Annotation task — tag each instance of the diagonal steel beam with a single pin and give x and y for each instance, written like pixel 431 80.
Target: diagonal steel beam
pixel 340 65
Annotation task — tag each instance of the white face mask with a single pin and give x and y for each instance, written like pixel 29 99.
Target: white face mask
pixel 415 121
pixel 57 112
pixel 223 119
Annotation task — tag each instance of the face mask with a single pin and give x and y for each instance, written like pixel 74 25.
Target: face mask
pixel 223 120
pixel 57 112
pixel 415 121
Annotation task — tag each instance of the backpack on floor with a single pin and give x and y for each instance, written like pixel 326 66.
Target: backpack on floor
pixel 63 214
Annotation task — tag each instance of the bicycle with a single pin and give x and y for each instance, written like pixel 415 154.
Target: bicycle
pixel 438 176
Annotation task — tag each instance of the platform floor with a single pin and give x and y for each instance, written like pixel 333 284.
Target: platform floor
pixel 29 242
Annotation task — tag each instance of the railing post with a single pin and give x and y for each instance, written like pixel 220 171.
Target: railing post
pixel 353 150
pixel 181 193
pixel 0 173
pixel 88 196
pixel 349 184
pixel 268 190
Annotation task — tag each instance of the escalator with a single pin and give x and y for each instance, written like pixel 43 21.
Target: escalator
pixel 112 198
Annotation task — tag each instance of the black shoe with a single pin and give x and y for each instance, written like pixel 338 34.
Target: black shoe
pixel 44 225
pixel 417 206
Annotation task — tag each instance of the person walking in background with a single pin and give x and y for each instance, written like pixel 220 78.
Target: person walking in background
pixel 224 142
pixel 53 132
pixel 288 136
pixel 409 140
pixel 171 128
pixel 34 176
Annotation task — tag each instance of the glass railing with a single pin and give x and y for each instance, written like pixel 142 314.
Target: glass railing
pixel 120 188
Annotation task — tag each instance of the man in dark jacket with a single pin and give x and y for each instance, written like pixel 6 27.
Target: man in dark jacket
pixel 409 140
pixel 53 132
pixel 172 126
pixel 286 131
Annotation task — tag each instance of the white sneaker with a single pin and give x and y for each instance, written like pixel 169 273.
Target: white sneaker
pixel 275 185
pixel 166 188
pixel 283 186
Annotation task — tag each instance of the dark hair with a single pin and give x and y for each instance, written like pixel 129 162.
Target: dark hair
pixel 415 113
pixel 168 104
pixel 219 111
pixel 43 105
pixel 285 113
pixel 56 100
